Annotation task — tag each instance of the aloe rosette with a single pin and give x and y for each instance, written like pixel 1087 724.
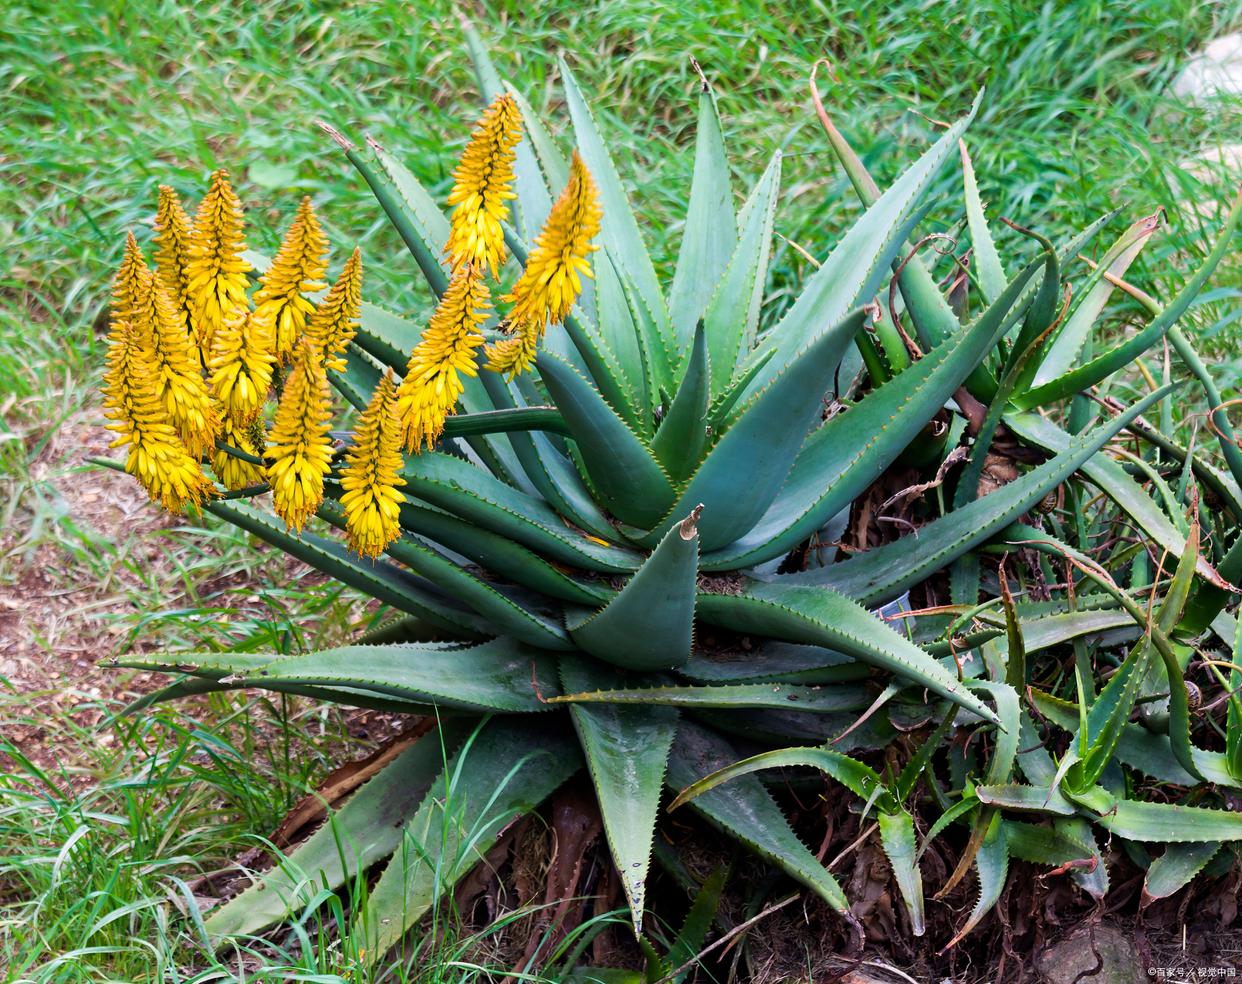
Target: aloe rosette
pixel 597 551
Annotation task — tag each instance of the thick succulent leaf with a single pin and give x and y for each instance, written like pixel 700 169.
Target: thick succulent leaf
pixel 618 462
pixel 549 471
pixel 897 839
pixel 819 617
pixel 619 228
pixel 505 609
pixel 660 598
pixel 882 574
pixel 1167 823
pixel 682 437
pixel 626 749
pixel 1138 748
pixel 430 223
pixel 746 811
pixel 499 675
pixel 732 315
pixel 551 161
pixel 844 456
pixel 404 219
pixel 783 696
pixel 468 492
pixel 773 660
pixel 992 865
pixel 621 327
pixel 685 949
pixel 499 555
pixel 987 261
pixel 365 830
pixel 1176 868
pixel 1064 348
pixel 1041 844
pixel 744 472
pixel 1099 368
pixel 857 265
pixel 859 778
pixel 379 579
pixel 1096 740
pixel 508 769
pixel 1032 799
pixel 711 228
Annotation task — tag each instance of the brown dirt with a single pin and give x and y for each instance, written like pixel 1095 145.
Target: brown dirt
pixel 75 597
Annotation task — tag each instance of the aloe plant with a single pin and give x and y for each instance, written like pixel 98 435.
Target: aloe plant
pixel 606 563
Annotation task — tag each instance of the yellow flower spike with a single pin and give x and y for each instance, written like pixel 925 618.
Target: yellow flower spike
pixel 234 472
pixel 551 282
pixel 129 291
pixel 179 384
pixel 297 269
pixel 371 500
pixel 241 365
pixel 334 322
pixel 215 269
pixel 172 248
pixel 299 448
pixel 432 383
pixel 155 456
pixel 482 188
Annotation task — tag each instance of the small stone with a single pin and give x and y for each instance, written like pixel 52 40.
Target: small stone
pixel 1069 960
pixel 1214 73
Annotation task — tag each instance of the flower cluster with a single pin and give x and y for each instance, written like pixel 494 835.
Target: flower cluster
pixel 193 360
pixel 196 354
pixel 544 292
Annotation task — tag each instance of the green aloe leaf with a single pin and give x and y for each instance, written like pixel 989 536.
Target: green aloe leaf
pixel 365 830
pixel 845 455
pixel 378 579
pixel 782 696
pixel 855 268
pixel 660 597
pixel 506 770
pixel 746 811
pixel 987 261
pixel 499 675
pixel 711 227
pixel 1063 351
pixel 626 749
pixel 898 840
pixel 731 315
pixel 457 486
pixel 992 865
pixel 619 463
pixel 881 574
pixel 744 472
pixel 819 617
pixel 499 554
pixel 682 437
pixel 1169 823
pixel 1176 868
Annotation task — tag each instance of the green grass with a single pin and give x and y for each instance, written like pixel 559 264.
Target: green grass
pixel 105 101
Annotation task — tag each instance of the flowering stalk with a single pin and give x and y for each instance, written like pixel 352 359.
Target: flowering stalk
pixel 370 480
pixel 482 188
pixel 215 268
pixel 233 472
pixel 552 280
pixel 432 383
pixel 334 322
pixel 299 448
pixel 297 269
